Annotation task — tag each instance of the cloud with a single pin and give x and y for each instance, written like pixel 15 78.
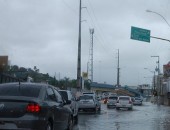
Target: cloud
pixel 45 34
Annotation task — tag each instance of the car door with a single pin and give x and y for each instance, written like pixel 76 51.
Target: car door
pixel 64 111
pixel 55 108
pixel 73 103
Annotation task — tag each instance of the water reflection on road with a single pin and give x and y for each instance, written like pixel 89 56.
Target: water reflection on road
pixel 145 117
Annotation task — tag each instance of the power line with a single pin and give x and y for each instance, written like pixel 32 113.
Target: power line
pixel 98 25
pixel 67 5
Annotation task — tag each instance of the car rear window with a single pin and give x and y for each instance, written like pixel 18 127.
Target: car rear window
pixel 86 97
pixel 64 95
pixel 123 98
pixel 20 90
pixel 137 99
pixel 113 98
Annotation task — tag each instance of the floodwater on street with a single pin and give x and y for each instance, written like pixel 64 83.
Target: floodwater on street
pixel 146 117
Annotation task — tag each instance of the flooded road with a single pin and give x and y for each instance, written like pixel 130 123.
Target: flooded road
pixel 146 117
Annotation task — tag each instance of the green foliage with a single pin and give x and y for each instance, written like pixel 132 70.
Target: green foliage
pixel 24 73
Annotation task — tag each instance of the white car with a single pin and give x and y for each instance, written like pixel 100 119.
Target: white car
pixel 124 102
pixel 87 103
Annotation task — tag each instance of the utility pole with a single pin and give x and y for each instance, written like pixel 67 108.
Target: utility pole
pixel 91 54
pixel 159 81
pixel 118 71
pixel 79 85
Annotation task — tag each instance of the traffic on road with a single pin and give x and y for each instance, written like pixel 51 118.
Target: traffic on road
pixel 148 116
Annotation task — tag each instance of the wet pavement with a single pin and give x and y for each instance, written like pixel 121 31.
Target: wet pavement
pixel 146 117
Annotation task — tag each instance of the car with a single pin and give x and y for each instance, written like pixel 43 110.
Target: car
pixel 90 94
pixel 33 106
pixel 124 102
pixel 96 100
pixel 111 101
pixel 137 101
pixel 87 103
pixel 73 103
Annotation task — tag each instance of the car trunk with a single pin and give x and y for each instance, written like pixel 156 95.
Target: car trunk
pixel 11 107
pixel 124 101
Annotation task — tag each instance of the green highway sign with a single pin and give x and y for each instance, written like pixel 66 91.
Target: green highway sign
pixel 140 34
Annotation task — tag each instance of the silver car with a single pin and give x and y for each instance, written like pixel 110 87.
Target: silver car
pixel 96 100
pixel 111 101
pixel 87 103
pixel 137 101
pixel 124 102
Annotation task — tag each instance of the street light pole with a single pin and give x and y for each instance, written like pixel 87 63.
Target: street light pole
pixel 153 77
pixel 149 11
pixel 118 71
pixel 79 52
pixel 159 82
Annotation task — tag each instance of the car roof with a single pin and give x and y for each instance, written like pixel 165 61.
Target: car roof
pixel 25 83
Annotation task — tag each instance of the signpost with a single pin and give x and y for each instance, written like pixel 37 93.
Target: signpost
pixel 140 34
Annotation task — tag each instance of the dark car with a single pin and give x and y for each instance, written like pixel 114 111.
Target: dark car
pixel 72 103
pixel 33 106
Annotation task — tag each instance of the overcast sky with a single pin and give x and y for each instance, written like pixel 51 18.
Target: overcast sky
pixel 44 33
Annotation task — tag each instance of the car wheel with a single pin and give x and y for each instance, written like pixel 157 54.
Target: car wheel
pixel 70 124
pixel 76 118
pixel 49 126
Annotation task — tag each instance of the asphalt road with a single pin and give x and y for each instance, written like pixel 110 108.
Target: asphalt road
pixel 146 117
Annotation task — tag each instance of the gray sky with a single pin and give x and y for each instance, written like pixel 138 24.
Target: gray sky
pixel 44 33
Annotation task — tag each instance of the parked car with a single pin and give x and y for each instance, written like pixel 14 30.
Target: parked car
pixel 33 106
pixel 87 103
pixel 111 101
pixel 137 101
pixel 96 100
pixel 124 102
pixel 73 103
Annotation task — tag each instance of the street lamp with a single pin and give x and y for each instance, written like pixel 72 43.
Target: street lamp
pixel 149 11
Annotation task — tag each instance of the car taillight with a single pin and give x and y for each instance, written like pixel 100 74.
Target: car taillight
pixel 33 108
